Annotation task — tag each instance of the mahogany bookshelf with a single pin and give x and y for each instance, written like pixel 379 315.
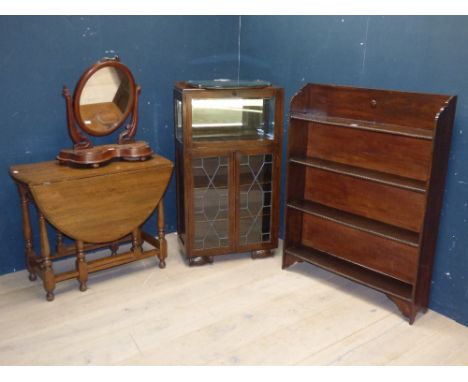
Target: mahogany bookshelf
pixel 366 172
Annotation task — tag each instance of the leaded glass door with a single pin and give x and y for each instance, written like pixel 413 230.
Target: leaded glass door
pixel 255 199
pixel 211 203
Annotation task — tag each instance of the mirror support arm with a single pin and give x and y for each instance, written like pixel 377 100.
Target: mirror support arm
pixel 128 134
pixel 79 140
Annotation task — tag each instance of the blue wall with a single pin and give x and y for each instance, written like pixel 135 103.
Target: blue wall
pixel 426 54
pixel 38 55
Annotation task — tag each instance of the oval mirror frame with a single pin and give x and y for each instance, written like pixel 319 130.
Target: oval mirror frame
pixel 86 76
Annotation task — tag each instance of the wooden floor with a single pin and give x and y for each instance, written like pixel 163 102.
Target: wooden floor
pixel 237 311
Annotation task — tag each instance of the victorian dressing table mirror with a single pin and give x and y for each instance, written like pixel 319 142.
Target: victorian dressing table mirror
pixel 88 196
pixel 105 96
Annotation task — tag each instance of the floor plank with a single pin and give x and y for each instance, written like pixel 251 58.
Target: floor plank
pixel 237 311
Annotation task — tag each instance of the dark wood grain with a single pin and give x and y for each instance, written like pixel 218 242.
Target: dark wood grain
pixel 407 131
pixel 388 285
pixel 361 173
pixel 357 222
pixel 428 242
pixel 230 146
pixel 99 155
pixel 85 117
pixel 380 254
pixel 394 154
pixel 365 185
pixel 381 106
pixel 366 198
pixel 97 208
pixel 30 255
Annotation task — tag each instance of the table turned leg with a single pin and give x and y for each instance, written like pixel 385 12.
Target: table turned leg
pixel 48 275
pixel 59 244
pixel 81 265
pixel 161 236
pixel 136 242
pixel 27 233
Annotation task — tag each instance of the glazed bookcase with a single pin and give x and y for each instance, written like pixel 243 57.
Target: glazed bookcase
pixel 228 152
pixel 366 172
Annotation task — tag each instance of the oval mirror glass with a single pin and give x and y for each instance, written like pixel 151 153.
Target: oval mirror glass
pixel 105 100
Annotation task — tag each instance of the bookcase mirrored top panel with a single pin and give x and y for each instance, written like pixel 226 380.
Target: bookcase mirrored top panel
pixel 233 118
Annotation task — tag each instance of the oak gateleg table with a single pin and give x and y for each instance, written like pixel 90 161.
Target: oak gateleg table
pixel 95 207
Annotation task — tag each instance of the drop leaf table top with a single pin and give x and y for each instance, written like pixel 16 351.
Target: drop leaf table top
pixel 100 207
pixel 96 205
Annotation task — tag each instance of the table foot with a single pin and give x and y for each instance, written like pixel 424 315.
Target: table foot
pixel 162 264
pixel 83 287
pixel 114 247
pixel 50 296
pixel 32 277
